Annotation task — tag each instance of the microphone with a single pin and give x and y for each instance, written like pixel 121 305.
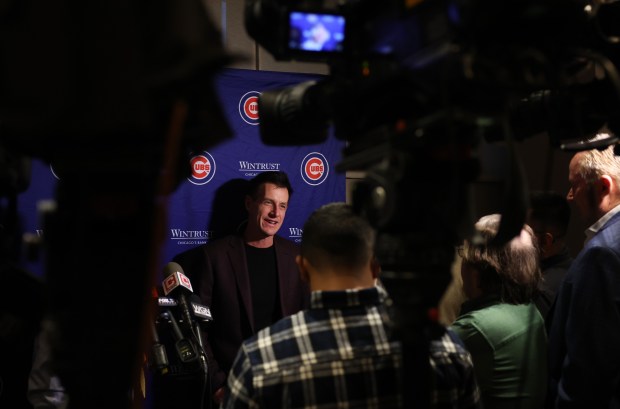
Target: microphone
pixel 200 311
pixel 176 281
pixel 158 353
pixel 165 302
pixel 185 349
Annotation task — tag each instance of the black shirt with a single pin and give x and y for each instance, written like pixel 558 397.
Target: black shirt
pixel 553 269
pixel 263 285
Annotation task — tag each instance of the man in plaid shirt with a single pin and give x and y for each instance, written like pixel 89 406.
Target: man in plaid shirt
pixel 341 351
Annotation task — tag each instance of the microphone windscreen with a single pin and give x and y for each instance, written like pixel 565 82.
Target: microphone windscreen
pixel 172 268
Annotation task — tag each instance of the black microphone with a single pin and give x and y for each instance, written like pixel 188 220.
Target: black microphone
pixel 199 310
pixel 176 281
pixel 185 349
pixel 158 353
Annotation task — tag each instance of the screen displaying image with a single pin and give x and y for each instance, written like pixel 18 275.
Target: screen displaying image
pixel 316 32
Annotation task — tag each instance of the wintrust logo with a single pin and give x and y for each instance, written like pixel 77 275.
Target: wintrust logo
pixel 254 168
pixel 314 169
pixel 248 107
pixel 295 233
pixel 190 237
pixel 203 168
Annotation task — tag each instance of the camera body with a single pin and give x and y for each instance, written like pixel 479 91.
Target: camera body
pixel 474 64
pixel 339 32
pixel 417 86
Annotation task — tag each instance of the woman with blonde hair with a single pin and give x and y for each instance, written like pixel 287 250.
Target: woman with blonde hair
pixel 499 324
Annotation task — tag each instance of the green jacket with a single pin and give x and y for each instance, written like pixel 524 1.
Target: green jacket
pixel 508 344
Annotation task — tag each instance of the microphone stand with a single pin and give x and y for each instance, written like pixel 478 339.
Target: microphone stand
pixel 203 362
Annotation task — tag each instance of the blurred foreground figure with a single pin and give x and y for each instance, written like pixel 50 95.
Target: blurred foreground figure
pixel 114 95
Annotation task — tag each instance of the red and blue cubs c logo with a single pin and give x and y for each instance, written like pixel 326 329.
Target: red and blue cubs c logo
pixel 203 168
pixel 248 107
pixel 314 168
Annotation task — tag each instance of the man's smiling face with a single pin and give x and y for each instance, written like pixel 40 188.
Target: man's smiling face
pixel 267 210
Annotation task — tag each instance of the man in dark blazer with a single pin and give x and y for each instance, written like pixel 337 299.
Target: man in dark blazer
pixel 584 337
pixel 249 280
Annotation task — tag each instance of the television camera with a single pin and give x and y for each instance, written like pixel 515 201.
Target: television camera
pixel 417 88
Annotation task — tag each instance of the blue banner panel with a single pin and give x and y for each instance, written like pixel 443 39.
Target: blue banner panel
pixel 210 203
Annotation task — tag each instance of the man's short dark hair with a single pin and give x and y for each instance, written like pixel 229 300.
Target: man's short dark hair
pixel 278 178
pixel 551 209
pixel 334 235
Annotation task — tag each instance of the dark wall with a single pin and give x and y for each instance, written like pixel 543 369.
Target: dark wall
pixel 547 169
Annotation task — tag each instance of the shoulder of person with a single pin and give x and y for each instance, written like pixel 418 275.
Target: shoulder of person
pixel 608 236
pixel 188 255
pixel 285 243
pixel 223 242
pixel 213 246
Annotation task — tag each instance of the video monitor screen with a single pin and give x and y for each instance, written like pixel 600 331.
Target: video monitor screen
pixel 316 32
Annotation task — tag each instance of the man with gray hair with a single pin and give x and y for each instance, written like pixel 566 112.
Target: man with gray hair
pixel 584 337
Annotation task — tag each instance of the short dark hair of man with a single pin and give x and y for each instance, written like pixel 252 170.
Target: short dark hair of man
pixel 278 178
pixel 551 210
pixel 334 235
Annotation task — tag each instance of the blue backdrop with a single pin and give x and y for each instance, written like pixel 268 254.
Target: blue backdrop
pixel 209 204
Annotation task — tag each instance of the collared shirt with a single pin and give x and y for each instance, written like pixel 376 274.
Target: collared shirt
pixel 341 353
pixel 592 230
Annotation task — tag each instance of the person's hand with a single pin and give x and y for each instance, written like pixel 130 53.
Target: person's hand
pixel 218 396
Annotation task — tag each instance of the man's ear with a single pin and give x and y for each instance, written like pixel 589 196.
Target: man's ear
pixel 547 241
pixel 605 184
pixel 303 269
pixel 375 267
pixel 248 202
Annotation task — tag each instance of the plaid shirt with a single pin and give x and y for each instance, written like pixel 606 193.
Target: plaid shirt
pixel 339 354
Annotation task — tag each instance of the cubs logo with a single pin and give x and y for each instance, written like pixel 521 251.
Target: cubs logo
pixel 203 168
pixel 248 107
pixel 314 169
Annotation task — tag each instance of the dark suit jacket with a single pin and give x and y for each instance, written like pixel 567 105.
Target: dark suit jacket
pixel 554 269
pixel 584 337
pixel 219 274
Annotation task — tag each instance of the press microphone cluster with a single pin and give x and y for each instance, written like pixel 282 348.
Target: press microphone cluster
pixel 184 333
pixel 200 311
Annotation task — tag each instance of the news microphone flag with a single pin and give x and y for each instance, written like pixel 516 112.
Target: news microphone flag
pixel 201 311
pixel 175 280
